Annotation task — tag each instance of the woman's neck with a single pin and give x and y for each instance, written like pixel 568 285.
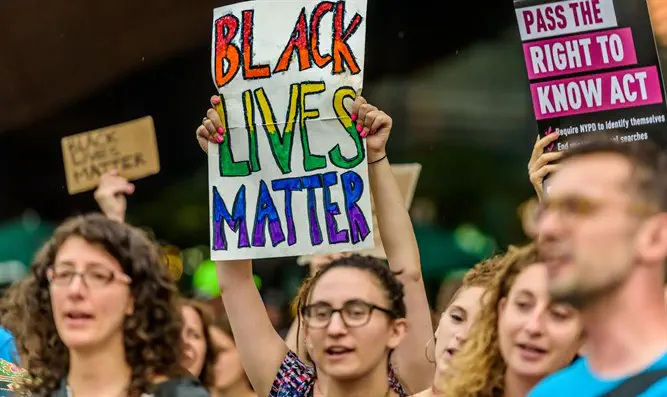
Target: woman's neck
pixel 101 371
pixel 518 386
pixel 240 389
pixel 373 384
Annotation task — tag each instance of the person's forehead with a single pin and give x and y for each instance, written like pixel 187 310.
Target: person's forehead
pixel 533 279
pixel 75 250
pixel 339 285
pixel 468 297
pixel 595 174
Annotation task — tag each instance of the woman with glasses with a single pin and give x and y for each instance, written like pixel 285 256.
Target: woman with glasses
pixel 99 316
pixel 353 310
pixel 110 195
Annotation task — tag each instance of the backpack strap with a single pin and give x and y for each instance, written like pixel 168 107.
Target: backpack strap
pixel 637 384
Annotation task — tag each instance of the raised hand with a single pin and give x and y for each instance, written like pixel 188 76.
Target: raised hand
pixel 211 128
pixel 110 195
pixel 540 163
pixel 374 125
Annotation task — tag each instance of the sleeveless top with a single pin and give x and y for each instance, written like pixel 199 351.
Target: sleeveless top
pixel 296 379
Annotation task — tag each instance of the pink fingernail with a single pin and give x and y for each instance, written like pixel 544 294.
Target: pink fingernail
pixel 354 117
pixel 359 128
pixel 219 138
pixel 216 100
pixel 366 131
pixel 362 134
pixel 221 130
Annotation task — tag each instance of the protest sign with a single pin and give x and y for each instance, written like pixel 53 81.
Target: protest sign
pixel 593 70
pixel 407 176
pixel 130 148
pixel 293 184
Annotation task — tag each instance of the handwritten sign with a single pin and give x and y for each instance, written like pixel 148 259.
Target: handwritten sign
pixel 407 176
pixel 291 176
pixel 130 148
pixel 593 68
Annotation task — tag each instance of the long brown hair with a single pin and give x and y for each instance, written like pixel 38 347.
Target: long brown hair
pixel 205 314
pixel 152 333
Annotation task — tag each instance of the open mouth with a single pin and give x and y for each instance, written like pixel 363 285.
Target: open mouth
pixel 451 352
pixel 76 318
pixel 337 352
pixel 531 352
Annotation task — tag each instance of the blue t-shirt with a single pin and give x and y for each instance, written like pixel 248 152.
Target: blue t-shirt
pixel 7 347
pixel 578 380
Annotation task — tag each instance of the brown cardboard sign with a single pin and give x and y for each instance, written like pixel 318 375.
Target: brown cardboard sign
pixel 130 148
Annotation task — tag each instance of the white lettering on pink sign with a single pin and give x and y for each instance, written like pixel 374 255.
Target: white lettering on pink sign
pixel 565 17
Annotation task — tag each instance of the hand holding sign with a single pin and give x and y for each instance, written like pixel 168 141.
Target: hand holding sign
pixel 374 125
pixel 211 129
pixel 110 195
pixel 540 163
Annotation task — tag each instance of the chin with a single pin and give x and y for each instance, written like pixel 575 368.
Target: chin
pixel 78 342
pixel 342 372
pixel 537 369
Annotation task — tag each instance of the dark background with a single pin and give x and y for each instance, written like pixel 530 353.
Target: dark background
pixel 171 85
pixel 451 75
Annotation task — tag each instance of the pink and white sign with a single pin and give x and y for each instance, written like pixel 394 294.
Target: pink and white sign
pixel 592 66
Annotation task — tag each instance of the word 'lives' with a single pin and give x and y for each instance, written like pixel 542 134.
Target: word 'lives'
pixel 281 143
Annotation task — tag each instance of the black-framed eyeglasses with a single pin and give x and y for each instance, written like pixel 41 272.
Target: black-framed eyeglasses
pixel 354 313
pixel 92 278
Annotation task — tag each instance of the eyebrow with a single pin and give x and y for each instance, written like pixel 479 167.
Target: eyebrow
pixel 88 265
pixel 530 294
pixel 457 307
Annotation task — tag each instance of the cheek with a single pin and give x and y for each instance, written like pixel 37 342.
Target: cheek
pixel 114 302
pixel 565 338
pixel 57 301
pixel 444 334
pixel 201 346
pixel 508 326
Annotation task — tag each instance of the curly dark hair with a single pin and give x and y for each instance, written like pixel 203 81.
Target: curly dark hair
pixel 206 315
pixel 152 333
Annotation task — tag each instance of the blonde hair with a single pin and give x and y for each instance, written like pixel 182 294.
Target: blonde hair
pixel 478 369
pixel 483 273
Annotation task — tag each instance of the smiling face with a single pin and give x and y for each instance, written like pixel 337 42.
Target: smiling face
pixel 455 323
pixel 88 314
pixel 343 352
pixel 194 341
pixel 536 336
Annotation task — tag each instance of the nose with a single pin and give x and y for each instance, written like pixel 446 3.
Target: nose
pixel 336 325
pixel 535 324
pixel 460 337
pixel 76 287
pixel 549 225
pixel 462 334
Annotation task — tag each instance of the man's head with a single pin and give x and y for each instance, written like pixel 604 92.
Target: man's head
pixel 605 221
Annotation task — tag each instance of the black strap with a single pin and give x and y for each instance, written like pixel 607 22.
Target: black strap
pixel 636 385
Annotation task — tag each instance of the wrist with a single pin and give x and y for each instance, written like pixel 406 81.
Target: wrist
pixel 376 157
